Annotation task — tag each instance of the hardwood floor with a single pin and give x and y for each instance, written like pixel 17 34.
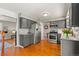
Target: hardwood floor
pixel 11 41
pixel 44 48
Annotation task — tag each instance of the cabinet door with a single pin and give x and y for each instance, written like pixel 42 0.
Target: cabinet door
pixel 20 24
pixel 53 22
pixel 24 23
pixel 75 14
pixel 21 39
pixel 61 24
pixel 26 40
pixel 29 23
pixel 31 39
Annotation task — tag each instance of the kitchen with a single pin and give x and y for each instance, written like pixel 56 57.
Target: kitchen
pixel 70 43
pixel 65 32
pixel 30 31
pixel 53 31
pixel 45 26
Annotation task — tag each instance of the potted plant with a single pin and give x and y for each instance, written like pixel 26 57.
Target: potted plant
pixel 67 31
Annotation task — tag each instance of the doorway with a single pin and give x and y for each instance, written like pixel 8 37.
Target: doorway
pixel 9 29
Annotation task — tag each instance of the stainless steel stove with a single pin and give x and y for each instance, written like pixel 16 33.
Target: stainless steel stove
pixel 53 36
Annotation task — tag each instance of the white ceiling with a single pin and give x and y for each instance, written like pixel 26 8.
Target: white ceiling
pixel 36 10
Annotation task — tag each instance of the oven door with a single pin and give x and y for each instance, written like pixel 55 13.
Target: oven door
pixel 53 38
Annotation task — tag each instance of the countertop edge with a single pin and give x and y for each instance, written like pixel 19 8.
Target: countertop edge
pixel 75 39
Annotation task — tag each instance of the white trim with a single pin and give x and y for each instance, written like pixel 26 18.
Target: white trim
pixel 29 18
pixel 42 31
pixel 7 13
pixel 7 18
pixel 62 18
pixel 17 29
pixel 19 46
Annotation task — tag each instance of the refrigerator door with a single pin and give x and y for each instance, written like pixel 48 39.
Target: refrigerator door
pixel 37 36
pixel 32 30
pixel 36 33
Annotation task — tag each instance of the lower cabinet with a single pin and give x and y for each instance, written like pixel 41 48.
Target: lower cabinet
pixel 21 38
pixel 26 40
pixel 31 39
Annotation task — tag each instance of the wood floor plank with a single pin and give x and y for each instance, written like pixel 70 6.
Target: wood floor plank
pixel 44 48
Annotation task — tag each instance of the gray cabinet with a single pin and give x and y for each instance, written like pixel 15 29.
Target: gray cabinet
pixel 26 40
pixel 31 39
pixel 29 23
pixel 53 22
pixel 69 47
pixel 25 23
pixel 21 39
pixel 59 23
pixel 75 14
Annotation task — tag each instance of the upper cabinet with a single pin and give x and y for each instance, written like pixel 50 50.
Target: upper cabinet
pixel 72 18
pixel 74 15
pixel 25 23
pixel 61 24
pixel 29 23
pixel 58 24
pixel 22 22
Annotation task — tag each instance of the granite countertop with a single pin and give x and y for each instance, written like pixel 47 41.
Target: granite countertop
pixel 26 34
pixel 70 38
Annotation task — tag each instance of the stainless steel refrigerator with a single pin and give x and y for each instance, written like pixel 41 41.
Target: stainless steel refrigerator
pixel 35 30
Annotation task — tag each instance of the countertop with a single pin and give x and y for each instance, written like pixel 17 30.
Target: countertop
pixel 27 34
pixel 70 38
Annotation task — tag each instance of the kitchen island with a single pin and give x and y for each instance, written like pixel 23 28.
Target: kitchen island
pixel 70 46
pixel 26 40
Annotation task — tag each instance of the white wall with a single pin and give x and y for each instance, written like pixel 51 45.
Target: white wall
pixel 10 16
pixel 44 31
pixel 6 15
pixel 0 26
pixel 10 25
pixel 6 18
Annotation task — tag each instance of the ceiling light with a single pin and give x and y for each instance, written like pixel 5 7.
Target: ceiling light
pixel 45 14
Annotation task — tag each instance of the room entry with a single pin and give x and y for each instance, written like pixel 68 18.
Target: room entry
pixel 7 36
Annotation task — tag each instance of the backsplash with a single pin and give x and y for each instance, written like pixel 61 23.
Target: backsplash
pixel 76 31
pixel 23 31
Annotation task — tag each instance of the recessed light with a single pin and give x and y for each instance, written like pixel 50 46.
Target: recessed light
pixel 45 14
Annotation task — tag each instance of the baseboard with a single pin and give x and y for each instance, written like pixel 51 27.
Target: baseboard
pixel 19 46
